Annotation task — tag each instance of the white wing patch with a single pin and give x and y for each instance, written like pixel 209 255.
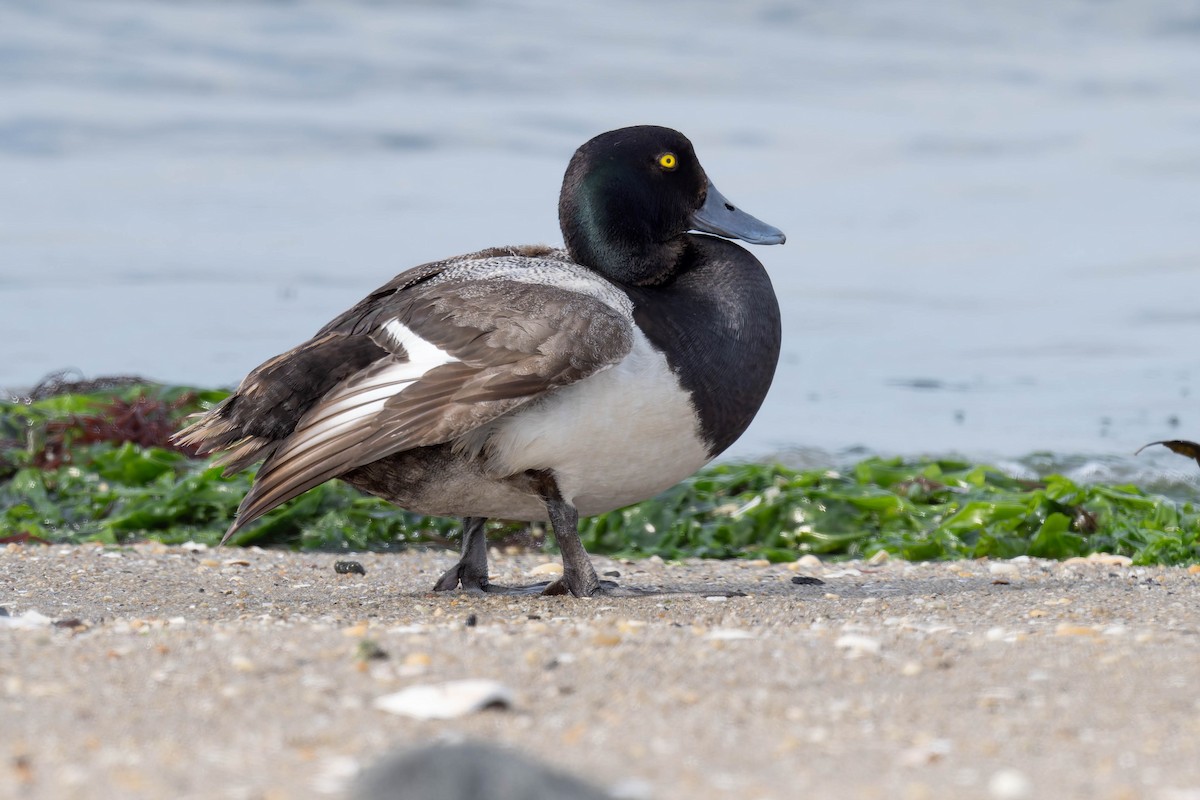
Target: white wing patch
pixel 351 407
pixel 422 355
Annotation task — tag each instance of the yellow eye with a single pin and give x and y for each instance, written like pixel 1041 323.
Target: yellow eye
pixel 667 161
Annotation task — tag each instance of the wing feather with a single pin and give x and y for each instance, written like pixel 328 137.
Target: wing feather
pixel 449 364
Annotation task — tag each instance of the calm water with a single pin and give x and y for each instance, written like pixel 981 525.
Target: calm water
pixel 992 213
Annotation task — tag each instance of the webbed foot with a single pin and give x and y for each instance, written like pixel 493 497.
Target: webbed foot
pixel 461 574
pixel 471 580
pixel 594 588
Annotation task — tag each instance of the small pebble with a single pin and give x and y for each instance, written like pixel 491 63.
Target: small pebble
pixel 926 753
pixel 348 567
pixel 807 580
pixel 549 568
pixel 242 664
pixel 1075 630
pixel 418 660
pixel 369 650
pixel 73 623
pixel 472 620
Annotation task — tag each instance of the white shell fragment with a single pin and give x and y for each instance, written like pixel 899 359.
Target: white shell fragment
pixel 1010 784
pixel 28 621
pixel 446 700
pixel 1103 559
pixel 1005 570
pixel 857 645
pixel 729 635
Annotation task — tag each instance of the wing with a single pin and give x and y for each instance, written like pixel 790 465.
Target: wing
pixel 451 355
pixel 251 423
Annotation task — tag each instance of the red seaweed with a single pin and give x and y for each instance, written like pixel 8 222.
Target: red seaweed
pixel 24 537
pixel 142 421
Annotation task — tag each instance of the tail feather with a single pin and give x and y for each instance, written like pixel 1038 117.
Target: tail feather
pixel 244 453
pixel 211 431
pixel 257 420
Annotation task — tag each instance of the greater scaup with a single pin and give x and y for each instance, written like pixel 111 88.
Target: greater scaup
pixel 529 383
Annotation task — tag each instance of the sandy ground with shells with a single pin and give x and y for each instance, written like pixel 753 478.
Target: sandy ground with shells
pixel 157 671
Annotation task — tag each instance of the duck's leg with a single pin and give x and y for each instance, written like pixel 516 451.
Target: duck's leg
pixel 579 576
pixel 471 571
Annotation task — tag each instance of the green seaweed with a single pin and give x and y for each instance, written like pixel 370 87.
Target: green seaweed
pixel 66 475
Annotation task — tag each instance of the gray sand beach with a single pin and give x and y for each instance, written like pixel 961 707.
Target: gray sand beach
pixel 989 254
pixel 155 671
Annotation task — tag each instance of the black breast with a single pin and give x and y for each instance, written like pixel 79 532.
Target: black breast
pixel 718 325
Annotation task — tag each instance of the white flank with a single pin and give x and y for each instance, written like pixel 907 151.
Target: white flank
pixel 615 438
pixel 365 394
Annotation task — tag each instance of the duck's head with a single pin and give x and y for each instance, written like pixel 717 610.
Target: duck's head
pixel 631 195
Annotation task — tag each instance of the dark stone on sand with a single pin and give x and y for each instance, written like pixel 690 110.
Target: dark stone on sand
pixel 469 771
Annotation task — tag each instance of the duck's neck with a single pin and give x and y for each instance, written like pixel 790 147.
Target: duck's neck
pixel 618 244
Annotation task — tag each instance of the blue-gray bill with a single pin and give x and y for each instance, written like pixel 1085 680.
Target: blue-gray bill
pixel 721 217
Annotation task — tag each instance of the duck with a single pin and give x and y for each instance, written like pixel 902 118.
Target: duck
pixel 530 383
